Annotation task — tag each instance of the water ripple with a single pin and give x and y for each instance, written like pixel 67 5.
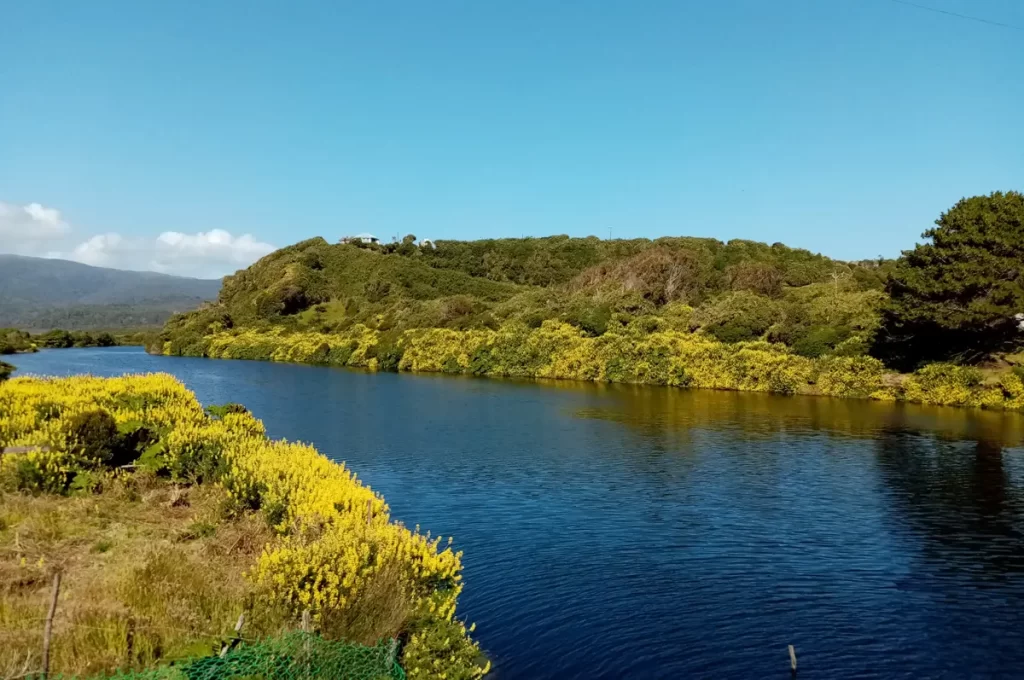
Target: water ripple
pixel 654 533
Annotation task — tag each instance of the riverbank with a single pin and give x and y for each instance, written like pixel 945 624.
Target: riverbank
pixel 14 341
pixel 304 532
pixel 561 351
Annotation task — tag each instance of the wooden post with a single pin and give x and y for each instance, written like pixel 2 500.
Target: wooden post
pixel 129 638
pixel 306 625
pixel 369 510
pixel 238 633
pixel 48 630
pixel 792 660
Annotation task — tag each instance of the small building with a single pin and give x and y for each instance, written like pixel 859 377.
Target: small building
pixel 426 243
pixel 360 238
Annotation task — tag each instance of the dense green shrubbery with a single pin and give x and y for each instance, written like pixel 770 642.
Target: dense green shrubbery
pixel 737 316
pixel 770 317
pixel 60 339
pixel 633 355
pixel 13 341
pixel 594 285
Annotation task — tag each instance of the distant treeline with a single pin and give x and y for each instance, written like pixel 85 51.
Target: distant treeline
pixel 13 341
pixel 956 299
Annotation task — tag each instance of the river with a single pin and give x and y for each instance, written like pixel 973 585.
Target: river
pixel 644 532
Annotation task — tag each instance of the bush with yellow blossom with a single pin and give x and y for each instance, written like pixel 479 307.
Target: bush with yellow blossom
pixel 336 551
pixel 658 357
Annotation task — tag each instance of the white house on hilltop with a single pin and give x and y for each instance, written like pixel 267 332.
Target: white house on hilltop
pixel 360 238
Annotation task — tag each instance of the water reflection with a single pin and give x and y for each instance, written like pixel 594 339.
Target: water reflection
pixel 626 531
pixel 655 411
pixel 960 498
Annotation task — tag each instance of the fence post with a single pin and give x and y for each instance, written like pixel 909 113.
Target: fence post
pixel 306 625
pixel 369 509
pixel 226 647
pixel 129 638
pixel 48 630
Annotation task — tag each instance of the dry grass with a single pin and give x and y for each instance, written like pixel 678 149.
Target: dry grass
pixel 381 611
pixel 150 573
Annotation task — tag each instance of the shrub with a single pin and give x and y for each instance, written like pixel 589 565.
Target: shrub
pixel 763 278
pixel 336 552
pixel 950 385
pixel 819 340
pixel 93 435
pixel 736 316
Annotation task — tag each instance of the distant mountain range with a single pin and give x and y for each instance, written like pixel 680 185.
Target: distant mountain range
pixel 40 294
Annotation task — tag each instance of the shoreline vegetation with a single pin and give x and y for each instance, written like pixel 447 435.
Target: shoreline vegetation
pixel 671 358
pixel 943 324
pixel 15 341
pixel 211 520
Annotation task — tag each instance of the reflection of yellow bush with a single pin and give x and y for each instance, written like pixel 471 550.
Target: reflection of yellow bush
pixel 334 534
pixel 676 358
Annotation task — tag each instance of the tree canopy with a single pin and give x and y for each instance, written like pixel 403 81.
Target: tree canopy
pixel 958 296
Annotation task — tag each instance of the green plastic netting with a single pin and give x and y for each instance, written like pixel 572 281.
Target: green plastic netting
pixel 293 656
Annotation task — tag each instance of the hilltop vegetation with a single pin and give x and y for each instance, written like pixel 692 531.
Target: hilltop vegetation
pixel 954 298
pixel 735 291
pixel 42 294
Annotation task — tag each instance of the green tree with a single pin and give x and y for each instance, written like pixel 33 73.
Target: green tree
pixel 957 297
pixel 736 316
pixel 408 246
pixel 57 338
pixel 5 370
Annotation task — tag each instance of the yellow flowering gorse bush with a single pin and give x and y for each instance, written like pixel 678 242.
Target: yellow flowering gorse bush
pixel 665 357
pixel 333 533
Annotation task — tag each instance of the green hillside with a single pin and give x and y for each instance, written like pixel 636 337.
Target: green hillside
pixel 735 291
pixel 957 297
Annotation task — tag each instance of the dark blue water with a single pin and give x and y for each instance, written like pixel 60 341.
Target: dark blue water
pixel 657 533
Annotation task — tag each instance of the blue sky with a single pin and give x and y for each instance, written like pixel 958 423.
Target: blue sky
pixel 842 126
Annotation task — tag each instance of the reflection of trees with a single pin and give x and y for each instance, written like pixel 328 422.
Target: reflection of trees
pixel 656 410
pixel 943 468
pixel 959 497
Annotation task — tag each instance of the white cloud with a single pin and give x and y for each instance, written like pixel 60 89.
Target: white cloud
pixel 205 255
pixel 30 229
pixel 35 229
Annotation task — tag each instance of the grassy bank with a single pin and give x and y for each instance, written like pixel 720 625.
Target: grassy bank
pixel 215 520
pixel 561 351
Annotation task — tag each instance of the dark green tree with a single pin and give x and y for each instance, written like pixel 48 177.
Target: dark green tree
pixel 57 338
pixel 5 371
pixel 958 297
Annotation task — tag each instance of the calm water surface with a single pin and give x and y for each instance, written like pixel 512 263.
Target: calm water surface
pixel 657 533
